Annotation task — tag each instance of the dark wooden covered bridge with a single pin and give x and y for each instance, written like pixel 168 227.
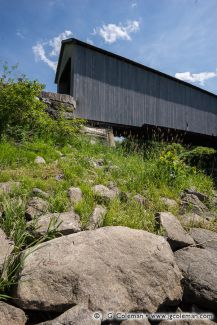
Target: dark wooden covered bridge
pixel 113 91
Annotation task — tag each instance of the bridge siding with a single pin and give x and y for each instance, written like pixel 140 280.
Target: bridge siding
pixel 114 91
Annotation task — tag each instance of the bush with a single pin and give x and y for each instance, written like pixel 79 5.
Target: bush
pixel 23 115
pixel 171 165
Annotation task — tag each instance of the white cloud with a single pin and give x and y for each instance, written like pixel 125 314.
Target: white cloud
pixel 111 32
pixel 196 77
pixel 54 45
pixel 39 52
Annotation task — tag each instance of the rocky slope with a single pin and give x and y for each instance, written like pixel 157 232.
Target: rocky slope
pixel 66 279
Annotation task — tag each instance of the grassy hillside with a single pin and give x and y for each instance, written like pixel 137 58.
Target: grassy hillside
pixel 153 170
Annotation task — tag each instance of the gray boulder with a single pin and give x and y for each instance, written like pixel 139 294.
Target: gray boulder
pixel 6 247
pixel 175 234
pixel 65 223
pixel 97 217
pixel 200 278
pixel 10 315
pixel 205 238
pixel 191 202
pixel 105 193
pixel 75 194
pixel 36 207
pixel 110 268
pixel 77 315
pixel 7 187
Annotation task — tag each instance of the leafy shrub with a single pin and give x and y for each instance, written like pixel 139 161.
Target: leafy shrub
pixel 171 165
pixel 23 115
pixel 199 156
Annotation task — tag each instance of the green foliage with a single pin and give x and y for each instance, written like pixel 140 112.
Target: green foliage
pixel 21 113
pixel 23 116
pixel 202 157
pixel 172 166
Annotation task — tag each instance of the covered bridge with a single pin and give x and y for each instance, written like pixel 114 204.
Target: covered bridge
pixel 113 91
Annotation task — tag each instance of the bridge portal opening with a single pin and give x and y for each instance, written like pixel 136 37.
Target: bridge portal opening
pixel 64 84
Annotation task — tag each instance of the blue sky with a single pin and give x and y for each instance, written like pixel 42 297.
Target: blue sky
pixel 178 37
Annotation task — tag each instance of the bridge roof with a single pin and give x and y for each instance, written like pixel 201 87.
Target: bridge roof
pixel 119 57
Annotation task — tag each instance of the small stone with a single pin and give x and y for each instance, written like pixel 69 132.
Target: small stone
pixel 6 248
pixel 40 160
pixel 105 193
pixel 8 187
pixel 36 207
pixel 64 223
pixel 140 199
pixel 96 219
pixel 75 194
pixel 97 163
pixel 59 177
pixel 10 315
pixel 39 192
pixel 169 203
pixel 176 235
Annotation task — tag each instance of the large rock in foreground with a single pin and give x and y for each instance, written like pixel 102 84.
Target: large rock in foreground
pixel 111 268
pixel 200 278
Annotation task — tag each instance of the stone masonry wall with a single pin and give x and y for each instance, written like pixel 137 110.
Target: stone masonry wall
pixel 55 101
